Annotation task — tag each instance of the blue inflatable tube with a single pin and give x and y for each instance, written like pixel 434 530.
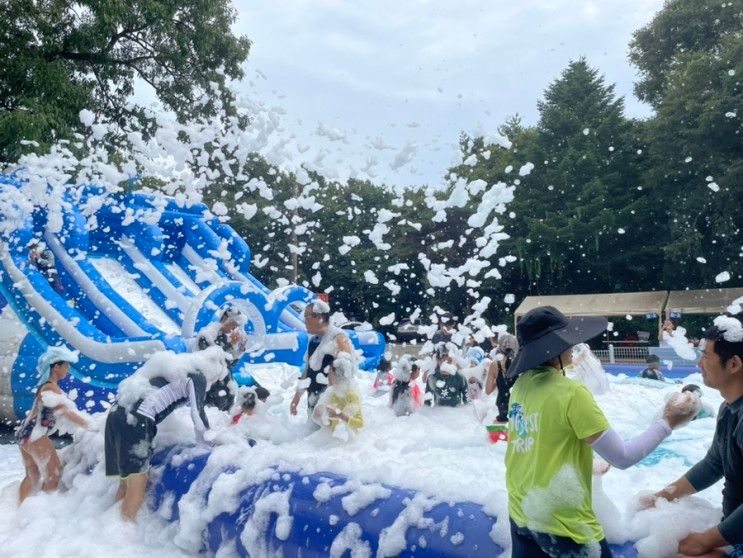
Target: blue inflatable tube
pixel 313 517
pixel 677 372
pixel 461 529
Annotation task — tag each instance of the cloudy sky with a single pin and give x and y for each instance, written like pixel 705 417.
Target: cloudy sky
pixel 381 89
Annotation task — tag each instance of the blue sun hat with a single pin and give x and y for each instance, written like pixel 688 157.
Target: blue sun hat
pixel 52 355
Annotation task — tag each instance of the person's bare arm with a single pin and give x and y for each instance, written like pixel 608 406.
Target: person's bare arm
pixel 298 394
pixel 490 381
pixel 677 489
pixel 343 345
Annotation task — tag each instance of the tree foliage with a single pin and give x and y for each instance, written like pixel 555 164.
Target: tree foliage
pixel 59 57
pixel 678 31
pixel 600 203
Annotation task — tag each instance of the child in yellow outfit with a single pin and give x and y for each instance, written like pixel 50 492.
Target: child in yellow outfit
pixel 339 408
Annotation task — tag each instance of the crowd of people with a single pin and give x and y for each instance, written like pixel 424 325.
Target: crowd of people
pixel 554 424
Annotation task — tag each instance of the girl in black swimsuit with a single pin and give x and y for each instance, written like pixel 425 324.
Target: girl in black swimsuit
pixel 43 467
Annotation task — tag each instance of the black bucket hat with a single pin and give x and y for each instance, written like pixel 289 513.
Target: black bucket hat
pixel 545 332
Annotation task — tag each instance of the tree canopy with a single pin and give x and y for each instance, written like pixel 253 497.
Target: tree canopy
pixel 584 200
pixel 58 58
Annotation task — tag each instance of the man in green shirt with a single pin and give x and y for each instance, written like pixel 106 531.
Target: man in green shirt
pixel 554 427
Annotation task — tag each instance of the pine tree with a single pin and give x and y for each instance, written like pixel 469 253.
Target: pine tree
pixel 578 202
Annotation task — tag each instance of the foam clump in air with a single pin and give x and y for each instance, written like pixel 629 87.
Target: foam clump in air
pixel 587 370
pixel 680 344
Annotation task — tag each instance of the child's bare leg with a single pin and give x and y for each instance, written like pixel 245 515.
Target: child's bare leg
pixel 45 457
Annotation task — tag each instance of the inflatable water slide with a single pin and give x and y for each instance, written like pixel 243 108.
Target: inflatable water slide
pixel 147 277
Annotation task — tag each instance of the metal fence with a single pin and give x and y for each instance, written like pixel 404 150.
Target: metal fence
pixel 612 355
pixel 627 355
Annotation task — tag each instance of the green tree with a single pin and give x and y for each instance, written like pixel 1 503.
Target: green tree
pixel 59 57
pixel 680 28
pixel 696 167
pixel 576 210
pixel 691 58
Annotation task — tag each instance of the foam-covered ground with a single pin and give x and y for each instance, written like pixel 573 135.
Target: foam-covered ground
pixel 442 452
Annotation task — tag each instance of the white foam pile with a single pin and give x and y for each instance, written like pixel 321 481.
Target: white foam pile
pixel 441 452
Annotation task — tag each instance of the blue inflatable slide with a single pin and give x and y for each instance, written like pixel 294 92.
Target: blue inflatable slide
pixel 147 277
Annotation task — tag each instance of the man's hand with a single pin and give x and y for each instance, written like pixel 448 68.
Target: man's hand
pixel 677 489
pixel 697 544
pixel 293 406
pixel 648 501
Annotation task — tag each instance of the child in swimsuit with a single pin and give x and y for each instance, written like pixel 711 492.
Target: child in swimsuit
pixel 164 383
pixel 43 467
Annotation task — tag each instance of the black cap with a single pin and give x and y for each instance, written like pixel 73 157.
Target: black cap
pixel 692 388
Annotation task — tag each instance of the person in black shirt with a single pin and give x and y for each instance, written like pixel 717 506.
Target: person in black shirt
pixel 652 371
pixel 497 377
pixel 446 384
pixel 447 327
pixel 230 337
pixel 722 369
pixel 326 343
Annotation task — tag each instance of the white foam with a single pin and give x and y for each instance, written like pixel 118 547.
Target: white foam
pixel 440 452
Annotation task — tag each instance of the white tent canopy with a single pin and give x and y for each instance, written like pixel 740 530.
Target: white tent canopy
pixel 702 301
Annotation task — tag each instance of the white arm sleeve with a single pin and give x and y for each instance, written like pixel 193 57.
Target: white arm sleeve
pixel 198 424
pixel 623 454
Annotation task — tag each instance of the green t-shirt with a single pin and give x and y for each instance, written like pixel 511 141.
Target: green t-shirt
pixel 548 465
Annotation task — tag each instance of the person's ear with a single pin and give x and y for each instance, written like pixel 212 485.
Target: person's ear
pixel 734 365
